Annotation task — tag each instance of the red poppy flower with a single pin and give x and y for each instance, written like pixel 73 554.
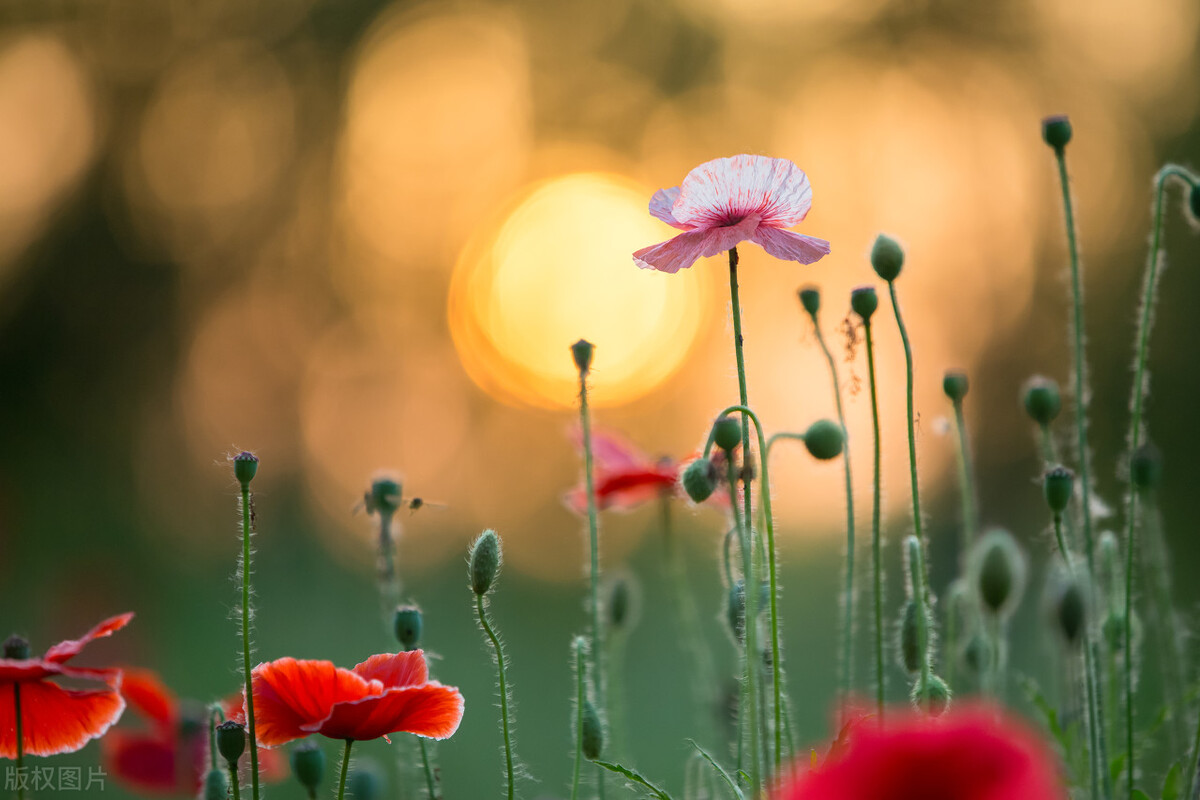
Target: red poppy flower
pixel 169 755
pixel 624 476
pixel 972 754
pixel 387 693
pixel 56 720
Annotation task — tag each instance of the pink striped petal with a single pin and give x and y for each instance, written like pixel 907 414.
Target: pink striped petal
pixel 661 204
pixel 790 246
pixel 726 190
pixel 682 251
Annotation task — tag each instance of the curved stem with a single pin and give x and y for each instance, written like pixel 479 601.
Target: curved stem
pixel 253 743
pixel 345 769
pixel 912 436
pixel 580 699
pixel 876 554
pixel 748 717
pixel 504 714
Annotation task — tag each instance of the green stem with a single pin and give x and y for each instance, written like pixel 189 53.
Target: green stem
pixel 847 663
pixel 966 481
pixel 20 741
pixel 233 779
pixel 1194 764
pixel 580 699
pixel 917 569
pixel 598 665
pixel 1062 542
pixel 912 436
pixel 246 672
pixel 212 735
pixel 748 714
pixel 1130 549
pixel 1049 448
pixel 430 781
pixel 345 769
pixel 876 554
pixel 1101 736
pixel 1157 576
pixel 504 713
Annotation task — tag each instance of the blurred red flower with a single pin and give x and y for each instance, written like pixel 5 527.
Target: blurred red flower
pixel 387 693
pixel 169 756
pixel 56 720
pixel 977 753
pixel 624 476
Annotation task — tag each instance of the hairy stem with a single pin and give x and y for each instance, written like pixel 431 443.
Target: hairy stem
pixel 966 481
pixel 748 714
pixel 246 672
pixel 345 770
pixel 580 700
pixel 504 712
pixel 916 568
pixel 598 664
pixel 912 436
pixel 876 547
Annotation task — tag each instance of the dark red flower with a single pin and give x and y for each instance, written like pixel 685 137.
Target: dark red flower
pixel 169 755
pixel 971 754
pixel 56 720
pixel 387 693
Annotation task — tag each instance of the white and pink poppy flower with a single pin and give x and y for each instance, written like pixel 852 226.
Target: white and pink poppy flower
pixel 731 200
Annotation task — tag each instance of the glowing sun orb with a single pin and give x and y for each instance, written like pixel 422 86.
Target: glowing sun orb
pixel 558 267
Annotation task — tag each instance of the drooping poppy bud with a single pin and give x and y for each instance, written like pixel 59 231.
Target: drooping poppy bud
pixel 582 352
pixel 231 740
pixel 910 637
pixel 699 480
pixel 810 299
pixel 955 385
pixel 1042 400
pixel 592 735
pixel 935 697
pixel 1056 131
pixel 887 258
pixel 864 302
pixel 999 570
pixel 485 562
pixel 727 433
pixel 1069 609
pixel 1058 485
pixel 407 624
pixel 216 785
pixel 245 467
pixel 824 439
pixel 308 765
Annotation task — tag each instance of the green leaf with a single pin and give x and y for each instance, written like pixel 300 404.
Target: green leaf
pixel 1138 794
pixel 1171 786
pixel 635 777
pixel 1116 767
pixel 737 792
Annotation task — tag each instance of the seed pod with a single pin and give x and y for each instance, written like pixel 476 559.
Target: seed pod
pixel 245 467
pixel 231 740
pixel 824 439
pixel 864 302
pixel 699 480
pixel 887 258
pixel 910 638
pixel 407 624
pixel 485 562
pixel 308 765
pixel 216 785
pixel 999 570
pixel 1042 400
pixel 1056 131
pixel 977 654
pixel 955 385
pixel 810 298
pixel 592 735
pixel 16 647
pixel 1058 485
pixel 582 352
pixel 935 698
pixel 727 433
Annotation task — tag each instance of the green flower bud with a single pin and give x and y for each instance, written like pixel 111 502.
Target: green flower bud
pixel 216 785
pixel 936 696
pixel 308 765
pixel 485 562
pixel 824 439
pixel 231 740
pixel 592 735
pixel 887 258
pixel 1056 131
pixel 621 604
pixel 727 433
pixel 407 624
pixel 999 570
pixel 1070 611
pixel 1113 629
pixel 810 298
pixel 955 385
pixel 1058 485
pixel 1042 400
pixel 582 352
pixel 977 654
pixel 864 302
pixel 384 496
pixel 1145 467
pixel 16 647
pixel 910 637
pixel 699 480
pixel 245 467
pixel 365 782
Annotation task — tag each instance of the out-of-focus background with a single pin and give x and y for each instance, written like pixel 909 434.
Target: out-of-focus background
pixel 355 235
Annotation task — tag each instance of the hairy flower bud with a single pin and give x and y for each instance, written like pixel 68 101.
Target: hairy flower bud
pixel 727 433
pixel 485 562
pixel 308 765
pixel 910 637
pixel 935 697
pixel 592 736
pixel 621 603
pixel 1070 610
pixel 1056 131
pixel 887 258
pixel 999 569
pixel 955 385
pixel 216 785
pixel 1058 485
pixel 231 740
pixel 824 439
pixel 407 624
pixel 1042 399
pixel 810 298
pixel 864 302
pixel 365 781
pixel 699 480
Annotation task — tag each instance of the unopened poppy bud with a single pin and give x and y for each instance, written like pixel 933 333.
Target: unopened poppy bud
pixel 1113 629
pixel 582 352
pixel 621 604
pixel 245 467
pixel 308 765
pixel 935 697
pixel 1056 131
pixel 485 562
pixel 727 433
pixel 216 785
pixel 1145 467
pixel 1070 611
pixel 824 439
pixel 887 258
pixel 810 298
pixel 592 736
pixel 1058 485
pixel 864 302
pixel 231 740
pixel 365 782
pixel 977 654
pixel 1042 400
pixel 16 647
pixel 910 637
pixel 699 480
pixel 955 385
pixel 407 624
pixel 999 571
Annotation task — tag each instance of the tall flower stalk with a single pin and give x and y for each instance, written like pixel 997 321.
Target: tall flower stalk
pixel 484 567
pixel 955 385
pixel 245 467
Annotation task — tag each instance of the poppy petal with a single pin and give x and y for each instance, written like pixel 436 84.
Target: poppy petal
pixel 57 720
pixel 293 697
pixel 149 696
pixel 682 251
pixel 64 651
pixel 395 669
pixel 430 710
pixel 789 246
pixel 144 763
pixel 661 204
pixel 728 189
